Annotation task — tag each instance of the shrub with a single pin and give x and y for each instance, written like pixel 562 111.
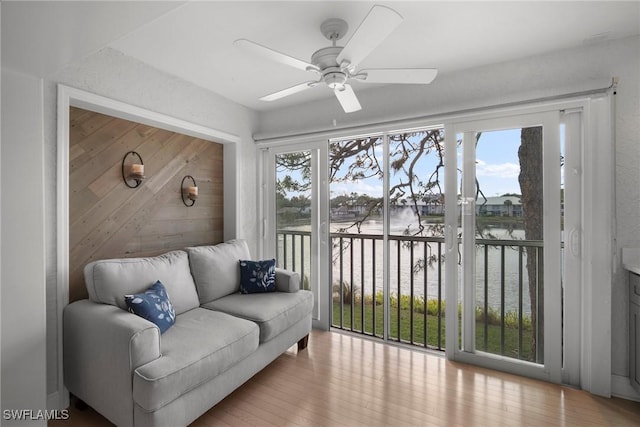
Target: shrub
pixel 432 307
pixel 348 293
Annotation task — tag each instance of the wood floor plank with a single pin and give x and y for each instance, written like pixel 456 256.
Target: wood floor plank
pixel 346 380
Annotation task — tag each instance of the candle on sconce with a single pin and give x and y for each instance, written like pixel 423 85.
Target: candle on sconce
pixel 137 169
pixel 192 192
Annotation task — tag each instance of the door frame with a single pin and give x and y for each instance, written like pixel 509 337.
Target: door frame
pixel 597 256
pixel 319 220
pixel 550 369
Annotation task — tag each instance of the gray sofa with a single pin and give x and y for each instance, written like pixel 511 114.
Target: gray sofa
pixel 123 367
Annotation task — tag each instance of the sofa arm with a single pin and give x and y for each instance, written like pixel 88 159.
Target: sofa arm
pixel 103 345
pixel 287 281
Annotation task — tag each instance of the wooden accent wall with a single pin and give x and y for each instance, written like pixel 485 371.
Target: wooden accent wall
pixel 110 220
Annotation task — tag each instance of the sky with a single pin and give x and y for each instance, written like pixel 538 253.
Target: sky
pixel 497 164
pixel 497 167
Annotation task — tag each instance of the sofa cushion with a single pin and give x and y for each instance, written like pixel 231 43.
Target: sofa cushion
pixel 274 312
pixel 153 305
pixel 201 345
pixel 109 280
pixel 216 270
pixel 257 276
pixel 287 280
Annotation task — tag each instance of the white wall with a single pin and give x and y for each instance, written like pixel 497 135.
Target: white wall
pixel 529 78
pixel 23 258
pixel 110 73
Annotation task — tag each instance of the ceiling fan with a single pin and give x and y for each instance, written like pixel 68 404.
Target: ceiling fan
pixel 336 65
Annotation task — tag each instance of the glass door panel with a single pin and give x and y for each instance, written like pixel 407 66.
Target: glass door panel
pixel 508 221
pixel 416 237
pixel 294 218
pixel 293 213
pixel 387 212
pixel 356 185
pixel 509 243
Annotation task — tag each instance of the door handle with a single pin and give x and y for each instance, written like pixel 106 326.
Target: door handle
pixel 574 242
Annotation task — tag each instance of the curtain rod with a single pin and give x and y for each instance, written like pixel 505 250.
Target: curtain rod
pixel 364 128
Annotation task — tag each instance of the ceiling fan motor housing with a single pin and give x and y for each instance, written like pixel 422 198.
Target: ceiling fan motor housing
pixel 326 57
pixel 325 60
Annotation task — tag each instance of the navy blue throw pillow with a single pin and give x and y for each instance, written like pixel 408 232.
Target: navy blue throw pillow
pixel 257 276
pixel 153 305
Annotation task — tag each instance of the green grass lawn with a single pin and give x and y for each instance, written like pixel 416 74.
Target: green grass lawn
pixel 493 344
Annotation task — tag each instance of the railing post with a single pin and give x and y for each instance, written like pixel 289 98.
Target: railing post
pixel 293 252
pixel 486 297
pixel 540 307
pixel 440 296
pixel 502 294
pixel 411 294
pixel 373 284
pixel 351 279
pixel 399 295
pixel 284 251
pixel 425 293
pixel 302 251
pixel 341 284
pixel 362 286
pixel 520 290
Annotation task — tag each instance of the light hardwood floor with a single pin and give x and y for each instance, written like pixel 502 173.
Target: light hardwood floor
pixel 347 380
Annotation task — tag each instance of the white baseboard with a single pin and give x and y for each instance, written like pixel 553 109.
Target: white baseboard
pixel 621 387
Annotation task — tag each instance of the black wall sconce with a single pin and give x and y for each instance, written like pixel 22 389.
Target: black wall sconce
pixel 189 192
pixel 133 171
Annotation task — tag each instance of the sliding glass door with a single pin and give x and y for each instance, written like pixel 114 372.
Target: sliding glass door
pixel 451 237
pixel 508 222
pixel 295 216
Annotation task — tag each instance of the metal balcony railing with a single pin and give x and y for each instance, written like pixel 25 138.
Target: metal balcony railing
pixel 416 288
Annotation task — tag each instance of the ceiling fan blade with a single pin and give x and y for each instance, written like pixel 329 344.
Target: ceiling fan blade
pixel 274 55
pixel 399 75
pixel 376 26
pixel 288 91
pixel 347 99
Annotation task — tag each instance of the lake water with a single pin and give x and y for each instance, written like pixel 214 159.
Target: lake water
pixel 362 264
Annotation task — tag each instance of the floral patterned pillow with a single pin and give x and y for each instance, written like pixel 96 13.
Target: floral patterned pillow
pixel 153 305
pixel 257 276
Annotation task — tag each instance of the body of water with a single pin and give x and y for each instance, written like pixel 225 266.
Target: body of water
pixel 362 264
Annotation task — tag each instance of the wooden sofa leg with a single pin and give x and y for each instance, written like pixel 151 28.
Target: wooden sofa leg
pixel 302 344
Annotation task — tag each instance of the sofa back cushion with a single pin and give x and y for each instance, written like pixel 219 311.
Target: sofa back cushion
pixel 216 269
pixel 109 280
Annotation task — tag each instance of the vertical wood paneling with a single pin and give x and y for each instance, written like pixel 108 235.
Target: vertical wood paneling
pixel 110 220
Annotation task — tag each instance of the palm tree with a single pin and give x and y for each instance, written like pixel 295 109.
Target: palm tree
pixel 509 204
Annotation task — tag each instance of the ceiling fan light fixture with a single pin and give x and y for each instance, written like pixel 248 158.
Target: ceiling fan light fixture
pixel 334 79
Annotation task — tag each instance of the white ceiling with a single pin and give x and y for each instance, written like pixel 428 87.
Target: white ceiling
pixel 194 40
